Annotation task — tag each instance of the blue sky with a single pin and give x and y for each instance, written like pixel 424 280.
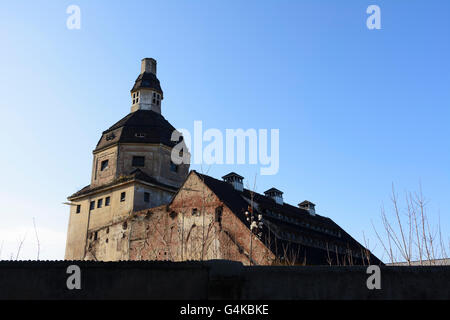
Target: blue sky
pixel 357 109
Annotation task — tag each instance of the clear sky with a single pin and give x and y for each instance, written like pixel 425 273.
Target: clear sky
pixel 357 109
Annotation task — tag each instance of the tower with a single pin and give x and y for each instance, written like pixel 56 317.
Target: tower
pixel 132 168
pixel 146 93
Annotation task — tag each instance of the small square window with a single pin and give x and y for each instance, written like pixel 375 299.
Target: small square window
pixel 146 197
pixel 92 205
pixel 195 212
pixel 99 203
pixel 138 161
pixel 107 201
pixel 122 197
pixel 78 208
pixel 104 165
pixel 173 167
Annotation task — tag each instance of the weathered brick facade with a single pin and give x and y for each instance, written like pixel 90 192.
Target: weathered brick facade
pixel 196 225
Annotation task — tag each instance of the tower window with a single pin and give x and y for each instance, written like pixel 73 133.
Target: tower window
pixel 137 100
pixel 173 167
pixel 104 165
pixel 92 205
pixel 138 161
pixel 122 197
pixel 78 208
pixel 218 214
pixel 146 197
pixel 154 95
pixel 99 203
pixel 107 201
pixel 154 100
pixel 157 102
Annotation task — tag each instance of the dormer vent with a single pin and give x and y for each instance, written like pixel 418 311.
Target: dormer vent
pixel 275 194
pixel 235 180
pixel 308 206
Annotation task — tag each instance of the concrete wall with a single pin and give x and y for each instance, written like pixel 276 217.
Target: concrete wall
pixel 106 176
pixel 157 163
pixel 216 280
pixel 80 224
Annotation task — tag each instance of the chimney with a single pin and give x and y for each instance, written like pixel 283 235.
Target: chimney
pixel 235 180
pixel 308 206
pixel 275 194
pixel 148 65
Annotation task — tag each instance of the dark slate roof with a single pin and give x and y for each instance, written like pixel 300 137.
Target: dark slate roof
pixel 226 193
pixel 235 201
pixel 147 80
pixel 232 174
pixel 141 126
pixel 136 174
pixel 273 190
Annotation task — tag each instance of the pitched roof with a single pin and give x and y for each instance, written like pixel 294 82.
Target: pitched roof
pixel 285 218
pixel 141 126
pixel 147 80
pixel 273 190
pixel 232 174
pixel 135 175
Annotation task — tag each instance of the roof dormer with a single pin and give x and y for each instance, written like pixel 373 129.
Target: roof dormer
pixel 235 180
pixel 308 206
pixel 275 194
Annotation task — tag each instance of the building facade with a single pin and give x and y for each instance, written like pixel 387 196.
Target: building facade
pixel 131 169
pixel 141 206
